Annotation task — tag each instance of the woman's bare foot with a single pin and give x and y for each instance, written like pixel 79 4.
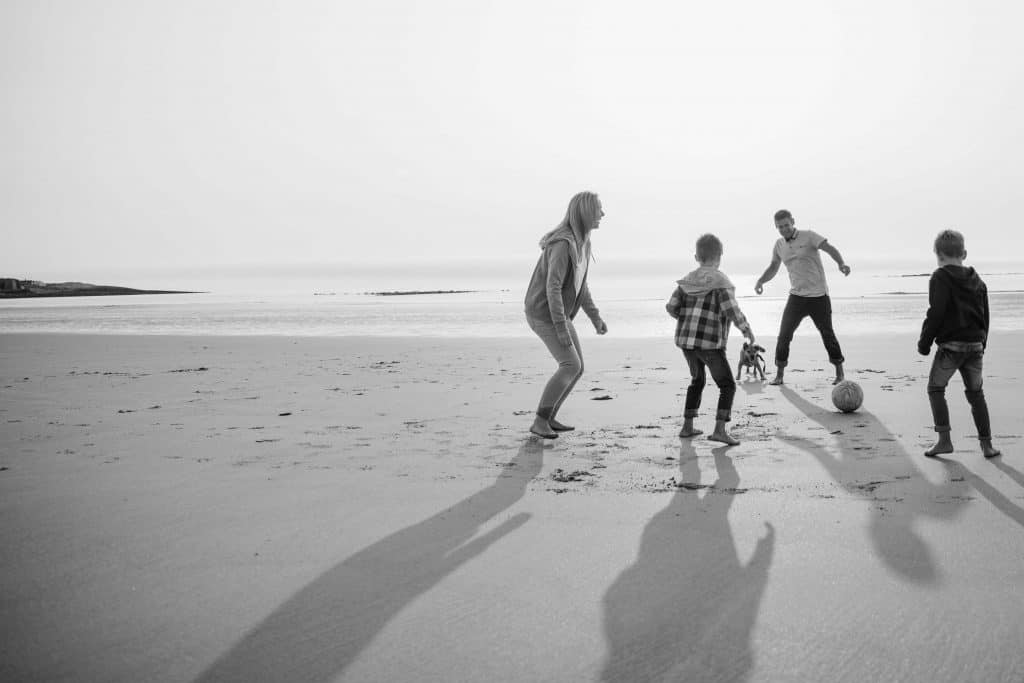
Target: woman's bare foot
pixel 559 427
pixel 988 450
pixel 943 445
pixel 687 433
pixel 723 436
pixel 541 428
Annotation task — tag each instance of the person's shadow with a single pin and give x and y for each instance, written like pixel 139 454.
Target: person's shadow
pixel 685 610
pixel 989 492
pixel 321 630
pixel 892 482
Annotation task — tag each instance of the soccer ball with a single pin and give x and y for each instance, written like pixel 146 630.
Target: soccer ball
pixel 847 396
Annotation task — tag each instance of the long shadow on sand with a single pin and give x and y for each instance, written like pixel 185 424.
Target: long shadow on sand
pixel 872 464
pixel 989 492
pixel 321 630
pixel 685 610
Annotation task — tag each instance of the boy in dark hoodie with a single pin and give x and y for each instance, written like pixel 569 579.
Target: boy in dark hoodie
pixel 704 304
pixel 957 320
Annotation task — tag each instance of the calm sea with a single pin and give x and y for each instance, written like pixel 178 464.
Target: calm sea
pixel 339 304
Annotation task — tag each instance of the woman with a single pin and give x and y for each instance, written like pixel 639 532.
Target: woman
pixel 557 291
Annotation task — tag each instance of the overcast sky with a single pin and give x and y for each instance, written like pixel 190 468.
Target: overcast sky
pixel 182 133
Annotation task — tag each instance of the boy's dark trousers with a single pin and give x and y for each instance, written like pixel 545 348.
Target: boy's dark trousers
pixel 798 308
pixel 969 363
pixel 715 362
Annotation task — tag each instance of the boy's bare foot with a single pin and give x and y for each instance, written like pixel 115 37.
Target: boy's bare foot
pixel 839 375
pixel 989 451
pixel 723 437
pixel 687 433
pixel 941 446
pixel 559 427
pixel 541 428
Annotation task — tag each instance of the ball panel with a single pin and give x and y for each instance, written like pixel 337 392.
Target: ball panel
pixel 847 396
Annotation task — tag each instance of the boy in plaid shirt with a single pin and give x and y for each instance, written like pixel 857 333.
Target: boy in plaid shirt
pixel 704 305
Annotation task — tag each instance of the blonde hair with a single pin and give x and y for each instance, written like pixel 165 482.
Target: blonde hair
pixel 581 215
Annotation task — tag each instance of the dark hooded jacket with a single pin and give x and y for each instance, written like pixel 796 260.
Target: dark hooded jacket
pixel 551 295
pixel 957 308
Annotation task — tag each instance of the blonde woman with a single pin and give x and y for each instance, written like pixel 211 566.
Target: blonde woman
pixel 557 291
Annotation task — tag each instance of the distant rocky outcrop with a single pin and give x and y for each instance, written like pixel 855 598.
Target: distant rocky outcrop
pixel 13 288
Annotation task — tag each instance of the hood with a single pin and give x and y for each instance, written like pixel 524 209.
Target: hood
pixel 564 232
pixel 703 280
pixel 963 278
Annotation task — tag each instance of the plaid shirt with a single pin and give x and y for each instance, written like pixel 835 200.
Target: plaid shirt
pixel 704 318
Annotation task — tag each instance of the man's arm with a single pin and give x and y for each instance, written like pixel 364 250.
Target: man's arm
pixel 836 256
pixel 769 272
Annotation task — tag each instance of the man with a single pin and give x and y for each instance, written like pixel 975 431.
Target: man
pixel 808 295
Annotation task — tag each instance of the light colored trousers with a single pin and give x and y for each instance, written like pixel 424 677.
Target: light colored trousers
pixel 570 366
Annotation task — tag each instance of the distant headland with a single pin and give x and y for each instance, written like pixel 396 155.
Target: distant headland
pixel 11 288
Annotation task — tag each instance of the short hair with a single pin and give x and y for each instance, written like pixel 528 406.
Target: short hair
pixel 949 243
pixel 709 247
pixel 781 214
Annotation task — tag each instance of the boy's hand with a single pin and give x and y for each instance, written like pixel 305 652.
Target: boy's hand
pixel 844 269
pixel 759 287
pixel 923 350
pixel 601 327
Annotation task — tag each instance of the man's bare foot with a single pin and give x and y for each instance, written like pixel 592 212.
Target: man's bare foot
pixel 941 446
pixel 542 429
pixel 776 381
pixel 685 433
pixel 723 437
pixel 559 427
pixel 989 451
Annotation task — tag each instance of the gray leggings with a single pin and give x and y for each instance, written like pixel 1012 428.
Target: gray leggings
pixel 570 366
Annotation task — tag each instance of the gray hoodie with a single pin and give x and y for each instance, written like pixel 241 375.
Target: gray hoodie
pixel 552 294
pixel 703 280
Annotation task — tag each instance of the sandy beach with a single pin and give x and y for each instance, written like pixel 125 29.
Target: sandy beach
pixel 373 509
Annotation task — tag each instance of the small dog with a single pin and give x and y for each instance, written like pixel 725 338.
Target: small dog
pixel 751 359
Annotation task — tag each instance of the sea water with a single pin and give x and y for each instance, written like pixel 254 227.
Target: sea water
pixel 292 302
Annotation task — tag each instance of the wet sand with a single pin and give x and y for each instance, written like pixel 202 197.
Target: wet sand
pixel 234 508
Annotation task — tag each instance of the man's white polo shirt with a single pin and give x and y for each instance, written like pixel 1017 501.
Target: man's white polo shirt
pixel 803 261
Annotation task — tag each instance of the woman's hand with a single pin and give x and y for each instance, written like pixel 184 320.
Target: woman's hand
pixel 601 327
